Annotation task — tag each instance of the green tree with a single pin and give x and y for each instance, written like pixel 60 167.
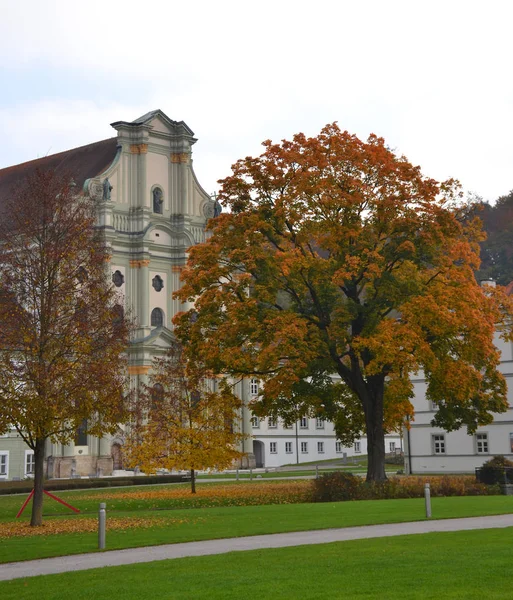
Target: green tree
pixel 63 335
pixel 497 248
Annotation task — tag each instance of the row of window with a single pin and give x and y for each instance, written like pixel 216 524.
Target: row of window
pixel 272 423
pixel 339 448
pixel 4 463
pixel 439 445
pixel 273 447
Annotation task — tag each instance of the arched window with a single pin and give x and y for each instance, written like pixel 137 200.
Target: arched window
pixel 157 318
pixel 117 456
pixel 158 201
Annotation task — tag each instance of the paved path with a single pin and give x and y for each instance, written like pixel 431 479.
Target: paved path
pixel 80 562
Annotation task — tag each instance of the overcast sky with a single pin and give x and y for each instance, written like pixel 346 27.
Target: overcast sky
pixel 432 77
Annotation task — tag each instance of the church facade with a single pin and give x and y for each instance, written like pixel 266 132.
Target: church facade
pixel 152 209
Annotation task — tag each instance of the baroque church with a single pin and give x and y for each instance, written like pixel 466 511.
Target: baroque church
pixel 152 210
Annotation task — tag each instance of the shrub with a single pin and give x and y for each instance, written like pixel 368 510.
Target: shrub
pixel 336 486
pixel 498 462
pixel 26 486
pixel 395 459
pixel 495 470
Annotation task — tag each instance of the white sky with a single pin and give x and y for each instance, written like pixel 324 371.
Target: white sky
pixel 433 78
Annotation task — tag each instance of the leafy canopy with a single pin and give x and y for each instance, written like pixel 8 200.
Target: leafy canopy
pixel 63 335
pixel 340 258
pixel 183 419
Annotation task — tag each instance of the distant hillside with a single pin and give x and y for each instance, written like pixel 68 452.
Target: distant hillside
pixel 497 250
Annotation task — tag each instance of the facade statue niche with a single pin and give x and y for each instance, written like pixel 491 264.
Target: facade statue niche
pixel 107 189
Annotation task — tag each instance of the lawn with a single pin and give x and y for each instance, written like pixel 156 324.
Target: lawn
pixel 181 525
pixel 463 565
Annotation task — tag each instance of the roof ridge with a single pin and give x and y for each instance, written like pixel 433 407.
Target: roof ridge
pixel 28 162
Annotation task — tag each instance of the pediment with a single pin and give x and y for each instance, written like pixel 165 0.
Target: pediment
pixel 158 122
pixel 160 337
pixel 159 125
pixel 164 338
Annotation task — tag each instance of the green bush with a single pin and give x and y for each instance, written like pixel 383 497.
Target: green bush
pixel 395 459
pixel 23 487
pixel 497 462
pixel 498 469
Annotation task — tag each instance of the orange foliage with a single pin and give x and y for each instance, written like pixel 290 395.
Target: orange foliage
pixel 354 264
pixel 184 419
pixel 246 494
pixel 84 525
pixel 62 338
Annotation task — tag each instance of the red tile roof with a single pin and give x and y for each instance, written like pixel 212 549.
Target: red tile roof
pixel 82 163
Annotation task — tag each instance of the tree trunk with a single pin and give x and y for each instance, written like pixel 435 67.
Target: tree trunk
pixel 39 474
pixel 375 435
pixel 193 482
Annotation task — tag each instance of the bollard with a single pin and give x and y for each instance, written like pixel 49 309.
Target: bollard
pixel 237 475
pixel 251 474
pixel 102 518
pixel 427 496
pixel 316 471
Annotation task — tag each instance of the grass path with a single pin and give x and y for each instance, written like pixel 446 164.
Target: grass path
pixel 460 565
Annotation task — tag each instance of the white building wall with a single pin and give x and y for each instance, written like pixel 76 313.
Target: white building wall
pixel 275 438
pixel 462 452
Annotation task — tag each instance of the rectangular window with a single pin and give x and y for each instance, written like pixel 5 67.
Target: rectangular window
pixel 255 422
pixel 319 423
pixel 288 447
pixel 304 447
pixel 4 464
pixel 482 443
pixel 253 387
pixel 338 447
pixel 391 445
pixel 29 462
pixel 303 423
pixel 357 447
pixel 273 447
pixel 320 447
pixel 439 443
pixel 272 422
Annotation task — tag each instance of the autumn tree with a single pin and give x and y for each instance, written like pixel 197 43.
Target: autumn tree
pixel 338 262
pixel 62 333
pixel 183 419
